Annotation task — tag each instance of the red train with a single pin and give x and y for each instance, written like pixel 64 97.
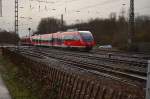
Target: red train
pixel 75 39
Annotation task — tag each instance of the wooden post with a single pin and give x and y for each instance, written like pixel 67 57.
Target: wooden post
pixel 148 82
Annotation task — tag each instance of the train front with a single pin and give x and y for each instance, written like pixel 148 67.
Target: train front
pixel 87 39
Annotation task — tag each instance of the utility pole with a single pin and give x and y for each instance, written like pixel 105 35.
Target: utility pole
pixel 29 34
pixel 0 8
pixel 62 22
pixel 131 32
pixel 16 16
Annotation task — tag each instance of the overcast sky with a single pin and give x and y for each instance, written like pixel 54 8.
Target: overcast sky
pixel 74 11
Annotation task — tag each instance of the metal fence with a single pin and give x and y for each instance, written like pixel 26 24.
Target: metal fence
pixel 53 83
pixel 148 82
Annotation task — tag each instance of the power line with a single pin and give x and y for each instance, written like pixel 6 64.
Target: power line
pixel 90 6
pixel 65 9
pixel 98 4
pixel 46 1
pixel 95 5
pixel 145 8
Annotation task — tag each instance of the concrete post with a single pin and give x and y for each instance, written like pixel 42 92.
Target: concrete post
pixel 148 82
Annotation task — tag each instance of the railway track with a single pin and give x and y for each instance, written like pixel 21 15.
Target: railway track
pixel 103 60
pixel 139 55
pixel 95 68
pixel 104 56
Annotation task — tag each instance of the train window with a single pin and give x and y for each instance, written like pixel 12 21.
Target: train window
pixel 34 40
pixel 68 37
pixel 59 40
pixel 45 40
pixel 76 38
pixel 86 36
pixel 71 38
pixel 50 39
pixel 54 39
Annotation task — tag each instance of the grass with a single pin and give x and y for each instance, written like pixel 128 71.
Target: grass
pixel 9 73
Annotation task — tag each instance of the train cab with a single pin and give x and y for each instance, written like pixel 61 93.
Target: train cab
pixel 87 39
pixel 78 39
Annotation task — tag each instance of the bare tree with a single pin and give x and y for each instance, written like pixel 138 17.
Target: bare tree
pixel 49 25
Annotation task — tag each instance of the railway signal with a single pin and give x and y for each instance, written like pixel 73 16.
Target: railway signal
pixel 29 31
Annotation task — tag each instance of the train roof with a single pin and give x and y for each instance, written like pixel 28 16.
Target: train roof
pixel 65 32
pixel 84 31
pixel 76 32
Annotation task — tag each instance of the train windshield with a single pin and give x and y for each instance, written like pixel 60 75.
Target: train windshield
pixel 87 36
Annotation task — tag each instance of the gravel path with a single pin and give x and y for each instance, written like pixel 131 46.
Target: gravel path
pixel 4 93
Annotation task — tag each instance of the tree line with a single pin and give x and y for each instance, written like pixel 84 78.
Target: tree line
pixel 8 37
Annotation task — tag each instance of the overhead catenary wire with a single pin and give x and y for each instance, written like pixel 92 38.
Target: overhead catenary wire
pixel 70 1
pixel 142 11
pixel 72 11
pixel 62 3
pixel 144 8
pixel 94 6
pixel 101 4
pixel 98 4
